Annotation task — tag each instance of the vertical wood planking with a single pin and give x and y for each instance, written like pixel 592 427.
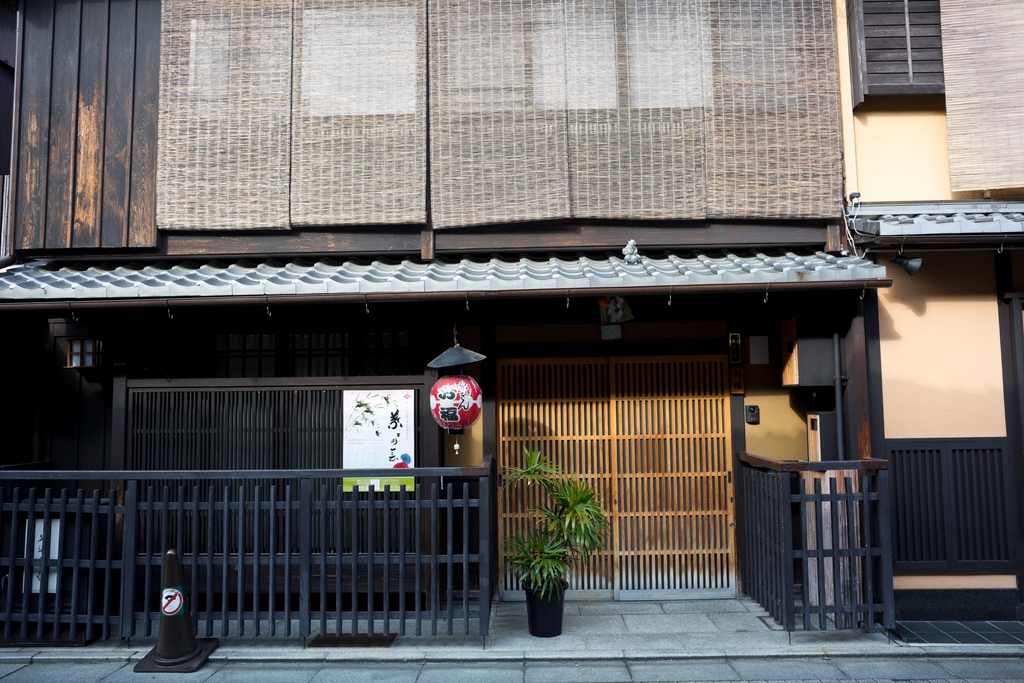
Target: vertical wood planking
pixel 117 137
pixel 92 85
pixel 63 124
pixel 34 124
pixel 142 193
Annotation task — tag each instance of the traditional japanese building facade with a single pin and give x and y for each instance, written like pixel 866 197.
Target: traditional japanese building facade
pixel 226 215
pixel 932 164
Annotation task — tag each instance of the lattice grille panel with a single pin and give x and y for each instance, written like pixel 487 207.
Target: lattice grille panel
pixel 560 407
pixel 652 434
pixel 674 501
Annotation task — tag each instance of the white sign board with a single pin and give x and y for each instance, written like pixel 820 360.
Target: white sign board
pixel 35 544
pixel 380 433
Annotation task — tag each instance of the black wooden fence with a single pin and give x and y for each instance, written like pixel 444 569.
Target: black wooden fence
pixel 814 541
pixel 263 552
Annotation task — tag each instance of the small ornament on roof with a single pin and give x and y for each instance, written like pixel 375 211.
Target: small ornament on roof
pixel 630 255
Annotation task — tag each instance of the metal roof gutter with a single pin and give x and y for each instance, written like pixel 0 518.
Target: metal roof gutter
pixel 387 297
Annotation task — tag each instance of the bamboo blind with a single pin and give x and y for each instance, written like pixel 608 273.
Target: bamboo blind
pixel 359 112
pixel 318 112
pixel 983 57
pixel 773 129
pixel 652 434
pixel 497 155
pixel 225 103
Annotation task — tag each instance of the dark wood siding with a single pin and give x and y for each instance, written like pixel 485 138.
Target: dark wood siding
pixel 950 505
pixel 87 125
pixel 8 47
pixel 896 47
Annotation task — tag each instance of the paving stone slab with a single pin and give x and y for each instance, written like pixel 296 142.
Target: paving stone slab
pixel 591 608
pixel 738 621
pixel 367 673
pixel 682 670
pixel 604 623
pixel 498 672
pixel 65 673
pixel 577 672
pixel 703 606
pixel 983 667
pixel 669 623
pixel 299 672
pixel 890 668
pixel 126 675
pixel 523 641
pixel 786 669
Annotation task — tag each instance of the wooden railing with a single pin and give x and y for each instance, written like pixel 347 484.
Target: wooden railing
pixel 814 541
pixel 263 552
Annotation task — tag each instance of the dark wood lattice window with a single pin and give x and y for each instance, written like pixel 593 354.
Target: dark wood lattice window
pixel 895 47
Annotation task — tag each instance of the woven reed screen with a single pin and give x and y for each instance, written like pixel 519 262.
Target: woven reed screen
pixel 359 112
pixel 538 109
pixel 983 56
pixel 773 129
pixel 225 104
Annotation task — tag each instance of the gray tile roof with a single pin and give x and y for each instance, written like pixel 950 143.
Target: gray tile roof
pixel 943 218
pixel 165 280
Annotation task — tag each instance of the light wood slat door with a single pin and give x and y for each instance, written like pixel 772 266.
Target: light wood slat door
pixel 675 505
pixel 560 406
pixel 652 434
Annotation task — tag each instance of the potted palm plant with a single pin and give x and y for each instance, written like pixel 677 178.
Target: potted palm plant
pixel 569 527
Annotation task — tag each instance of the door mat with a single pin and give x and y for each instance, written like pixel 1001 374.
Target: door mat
pixel 361 640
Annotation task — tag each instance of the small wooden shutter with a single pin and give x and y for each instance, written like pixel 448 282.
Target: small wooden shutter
pixel 896 47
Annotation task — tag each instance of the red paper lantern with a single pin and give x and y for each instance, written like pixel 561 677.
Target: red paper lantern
pixel 456 401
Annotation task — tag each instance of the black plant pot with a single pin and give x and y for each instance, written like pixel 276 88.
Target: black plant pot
pixel 545 614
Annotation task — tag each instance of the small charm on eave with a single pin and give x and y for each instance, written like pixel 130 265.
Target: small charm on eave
pixel 630 255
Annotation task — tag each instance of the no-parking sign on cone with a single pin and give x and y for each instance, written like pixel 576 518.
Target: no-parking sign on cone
pixel 177 649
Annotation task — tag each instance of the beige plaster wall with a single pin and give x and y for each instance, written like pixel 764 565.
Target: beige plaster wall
pixel 952 582
pixel 941 364
pixel 901 152
pixel 782 434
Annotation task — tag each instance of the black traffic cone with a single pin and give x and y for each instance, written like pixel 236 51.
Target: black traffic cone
pixel 177 649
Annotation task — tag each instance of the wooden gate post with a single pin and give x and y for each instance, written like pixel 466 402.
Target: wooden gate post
pixel 786 513
pixel 305 525
pixel 128 558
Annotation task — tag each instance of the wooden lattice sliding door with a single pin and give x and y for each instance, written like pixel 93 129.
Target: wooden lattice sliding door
pixel 674 509
pixel 652 434
pixel 562 408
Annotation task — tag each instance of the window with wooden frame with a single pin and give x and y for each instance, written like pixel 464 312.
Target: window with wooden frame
pixel 895 47
pixel 84 353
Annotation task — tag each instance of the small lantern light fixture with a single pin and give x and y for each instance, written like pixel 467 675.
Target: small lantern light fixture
pixel 84 352
pixel 456 400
